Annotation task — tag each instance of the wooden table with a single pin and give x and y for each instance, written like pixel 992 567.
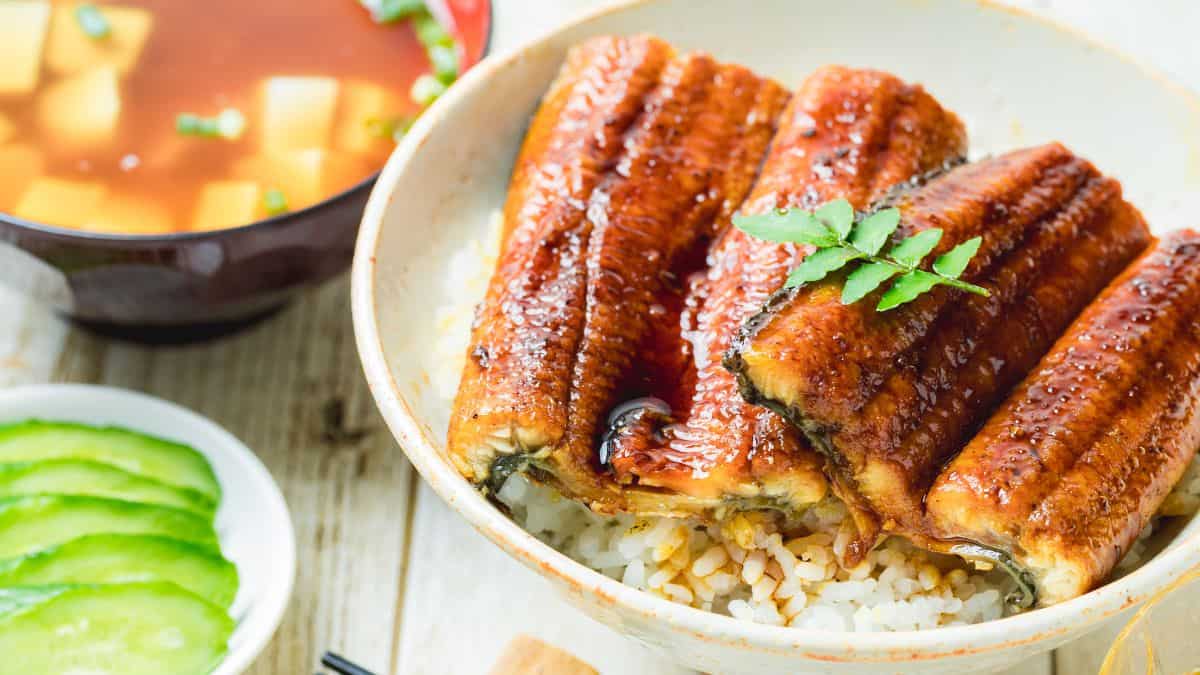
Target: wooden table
pixel 387 574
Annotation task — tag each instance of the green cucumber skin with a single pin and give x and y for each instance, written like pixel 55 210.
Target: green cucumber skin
pixel 16 600
pixel 155 628
pixel 157 458
pixel 28 524
pixel 93 479
pixel 126 558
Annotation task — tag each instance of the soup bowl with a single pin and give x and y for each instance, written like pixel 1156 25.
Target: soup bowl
pixel 442 185
pixel 184 286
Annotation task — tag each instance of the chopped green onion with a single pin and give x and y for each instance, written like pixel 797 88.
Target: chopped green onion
pixel 389 11
pixel 445 62
pixel 427 89
pixel 275 202
pixel 380 128
pixel 230 124
pixel 92 21
pixel 187 124
pixel 430 32
pixel 393 128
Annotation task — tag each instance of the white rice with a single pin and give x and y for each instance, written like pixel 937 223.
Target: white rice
pixel 745 567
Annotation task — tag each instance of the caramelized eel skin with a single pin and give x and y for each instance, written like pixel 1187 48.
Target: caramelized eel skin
pixel 891 396
pixel 685 161
pixel 514 390
pixel 1071 468
pixel 684 166
pixel 846 133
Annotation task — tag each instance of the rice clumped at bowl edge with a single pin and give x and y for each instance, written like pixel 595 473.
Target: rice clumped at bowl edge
pixel 746 566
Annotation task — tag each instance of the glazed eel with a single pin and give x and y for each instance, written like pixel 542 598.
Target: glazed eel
pixel 890 397
pixel 1070 469
pixel 634 157
pixel 846 133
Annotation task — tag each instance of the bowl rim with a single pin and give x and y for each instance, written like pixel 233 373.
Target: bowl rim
pixel 1026 628
pixel 58 231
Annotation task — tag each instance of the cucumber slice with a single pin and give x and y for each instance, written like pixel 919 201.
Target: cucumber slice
pixel 125 558
pixel 126 629
pixel 156 458
pixel 29 524
pixel 80 477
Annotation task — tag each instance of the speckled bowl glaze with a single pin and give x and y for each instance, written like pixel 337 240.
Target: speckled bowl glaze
pixel 192 285
pixel 1015 79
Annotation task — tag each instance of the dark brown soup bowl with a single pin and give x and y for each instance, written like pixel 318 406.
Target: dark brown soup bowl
pixel 189 286
pixel 186 285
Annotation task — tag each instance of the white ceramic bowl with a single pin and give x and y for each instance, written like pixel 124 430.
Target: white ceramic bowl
pixel 1016 80
pixel 252 523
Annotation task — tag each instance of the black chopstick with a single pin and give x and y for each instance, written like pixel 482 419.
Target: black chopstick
pixel 342 666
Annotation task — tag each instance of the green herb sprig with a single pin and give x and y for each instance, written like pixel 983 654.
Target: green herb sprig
pixel 840 239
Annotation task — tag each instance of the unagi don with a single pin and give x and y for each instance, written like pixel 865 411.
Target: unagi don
pixel 634 156
pixel 891 396
pixel 1070 469
pixel 846 133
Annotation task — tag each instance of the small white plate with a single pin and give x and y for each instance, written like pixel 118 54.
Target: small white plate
pixel 253 523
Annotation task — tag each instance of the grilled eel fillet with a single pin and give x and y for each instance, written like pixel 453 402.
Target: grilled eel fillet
pixel 632 158
pixel 1070 469
pixel 891 396
pixel 846 133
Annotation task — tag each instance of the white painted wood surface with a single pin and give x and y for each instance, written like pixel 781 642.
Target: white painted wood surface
pixel 388 575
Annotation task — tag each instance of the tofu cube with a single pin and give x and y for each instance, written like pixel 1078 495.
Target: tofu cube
pixel 304 176
pixel 130 214
pixel 362 102
pixel 69 50
pixel 19 165
pixel 81 111
pixel 23 25
pixel 225 204
pixel 297 113
pixel 55 201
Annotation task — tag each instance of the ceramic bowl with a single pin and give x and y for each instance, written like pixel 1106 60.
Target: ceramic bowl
pixel 1015 79
pixel 186 286
pixel 253 524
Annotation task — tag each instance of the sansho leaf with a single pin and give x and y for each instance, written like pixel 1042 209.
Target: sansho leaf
pixel 873 231
pixel 953 262
pixel 839 240
pixel 838 216
pixel 907 288
pixel 866 278
pixel 787 226
pixel 818 264
pixel 910 251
